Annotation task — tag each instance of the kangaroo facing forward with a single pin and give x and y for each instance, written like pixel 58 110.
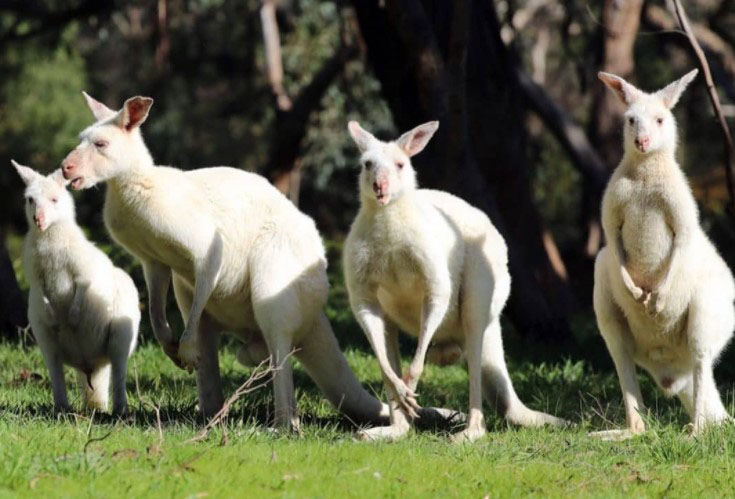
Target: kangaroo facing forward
pixel 428 263
pixel 84 311
pixel 663 296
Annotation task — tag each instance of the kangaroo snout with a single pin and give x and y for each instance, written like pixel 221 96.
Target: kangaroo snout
pixel 70 170
pixel 39 220
pixel 67 168
pixel 642 143
pixel 380 188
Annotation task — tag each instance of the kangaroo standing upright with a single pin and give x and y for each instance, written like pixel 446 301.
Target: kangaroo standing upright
pixel 243 259
pixel 663 296
pixel 84 311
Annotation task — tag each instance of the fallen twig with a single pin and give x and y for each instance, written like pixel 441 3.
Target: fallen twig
pixel 247 387
pixel 153 449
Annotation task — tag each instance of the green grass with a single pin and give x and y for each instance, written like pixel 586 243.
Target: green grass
pixel 79 456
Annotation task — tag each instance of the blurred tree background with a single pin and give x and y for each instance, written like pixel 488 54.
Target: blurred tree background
pixel 528 133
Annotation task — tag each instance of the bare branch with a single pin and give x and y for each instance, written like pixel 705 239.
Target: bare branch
pixel 291 124
pixel 273 62
pixel 567 131
pixel 715 99
pixel 718 51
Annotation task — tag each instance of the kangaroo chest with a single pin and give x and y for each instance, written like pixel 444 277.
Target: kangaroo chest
pixel 55 275
pixel 397 272
pixel 647 236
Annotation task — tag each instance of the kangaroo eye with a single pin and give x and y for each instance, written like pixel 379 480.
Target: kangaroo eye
pixel 631 120
pixel 399 165
pixel 368 165
pixel 54 200
pixel 100 144
pixel 30 200
pixel 659 120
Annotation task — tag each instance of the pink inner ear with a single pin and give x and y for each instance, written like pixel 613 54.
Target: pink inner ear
pixel 136 112
pixel 414 143
pixel 616 84
pixel 417 142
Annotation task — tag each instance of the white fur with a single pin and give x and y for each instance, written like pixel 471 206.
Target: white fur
pixel 243 259
pixel 84 311
pixel 429 264
pixel 663 297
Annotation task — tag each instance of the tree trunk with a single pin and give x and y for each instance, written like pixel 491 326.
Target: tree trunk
pixel 446 61
pixel 284 168
pixel 618 30
pixel 12 305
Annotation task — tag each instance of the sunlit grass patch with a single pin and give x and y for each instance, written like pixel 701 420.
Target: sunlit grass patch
pixel 85 455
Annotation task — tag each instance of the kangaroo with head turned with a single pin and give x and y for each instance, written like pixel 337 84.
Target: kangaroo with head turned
pixel 84 311
pixel 663 296
pixel 242 257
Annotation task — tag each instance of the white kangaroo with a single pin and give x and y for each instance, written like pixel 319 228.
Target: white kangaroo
pixel 428 263
pixel 663 296
pixel 243 258
pixel 84 311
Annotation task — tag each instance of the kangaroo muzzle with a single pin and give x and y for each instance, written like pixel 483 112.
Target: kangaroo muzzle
pixel 380 188
pixel 642 143
pixel 70 171
pixel 40 221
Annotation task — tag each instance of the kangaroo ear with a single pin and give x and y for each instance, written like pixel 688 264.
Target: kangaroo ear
pixel 134 112
pixel 99 110
pixel 626 92
pixel 362 137
pixel 670 93
pixel 58 177
pixel 26 173
pixel 414 141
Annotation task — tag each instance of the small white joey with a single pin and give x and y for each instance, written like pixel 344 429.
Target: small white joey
pixel 83 310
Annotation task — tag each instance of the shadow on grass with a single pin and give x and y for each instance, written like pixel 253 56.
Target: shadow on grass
pixel 570 389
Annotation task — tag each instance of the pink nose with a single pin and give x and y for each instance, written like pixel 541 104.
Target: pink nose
pixel 642 143
pixel 67 167
pixel 381 185
pixel 38 219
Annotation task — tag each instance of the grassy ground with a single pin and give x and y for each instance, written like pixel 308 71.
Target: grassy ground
pixel 80 456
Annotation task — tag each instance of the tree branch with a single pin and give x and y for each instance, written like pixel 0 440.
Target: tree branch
pixel 569 134
pixel 715 99
pixel 715 48
pixel 273 61
pixel 291 124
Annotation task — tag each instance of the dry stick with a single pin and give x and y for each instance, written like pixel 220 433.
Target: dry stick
pixel 247 387
pixel 90 439
pixel 714 98
pixel 156 408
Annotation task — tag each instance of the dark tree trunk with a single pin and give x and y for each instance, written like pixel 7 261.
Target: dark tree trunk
pixel 446 61
pixel 620 21
pixel 12 305
pixel 618 30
